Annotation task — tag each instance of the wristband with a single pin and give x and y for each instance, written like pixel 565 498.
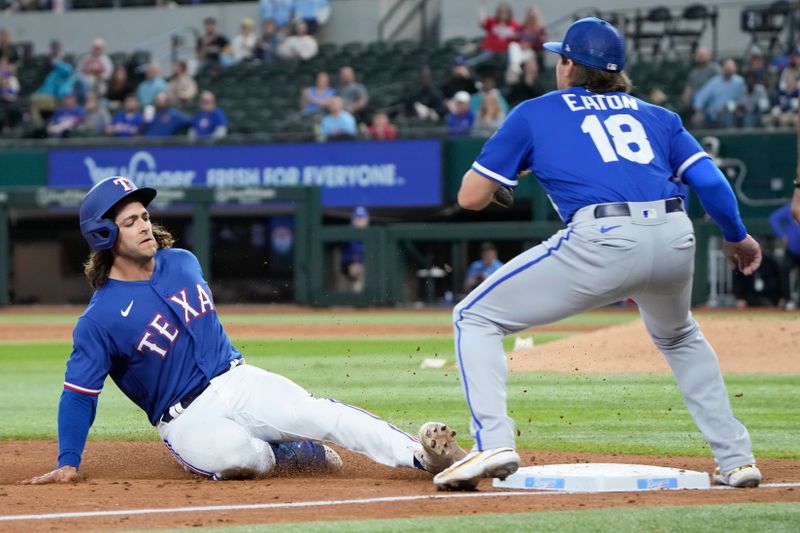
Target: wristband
pixel 797 184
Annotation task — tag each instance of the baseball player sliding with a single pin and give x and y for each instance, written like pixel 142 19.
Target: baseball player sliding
pixel 152 325
pixel 609 163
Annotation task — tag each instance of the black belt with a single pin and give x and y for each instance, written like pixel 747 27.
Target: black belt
pixel 187 400
pixel 671 205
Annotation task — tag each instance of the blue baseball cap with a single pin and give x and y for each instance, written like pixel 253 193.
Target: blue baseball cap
pixel 594 43
pixel 360 212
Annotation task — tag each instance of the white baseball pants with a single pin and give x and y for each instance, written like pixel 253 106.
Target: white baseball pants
pixel 226 431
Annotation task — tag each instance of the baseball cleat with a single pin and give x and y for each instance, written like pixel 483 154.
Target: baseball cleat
pixel 439 447
pixel 467 473
pixel 306 456
pixel 746 476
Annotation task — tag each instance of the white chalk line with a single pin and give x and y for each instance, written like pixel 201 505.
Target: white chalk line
pixel 321 503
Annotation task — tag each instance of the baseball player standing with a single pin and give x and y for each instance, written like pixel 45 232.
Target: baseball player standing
pixel 608 162
pixel 152 325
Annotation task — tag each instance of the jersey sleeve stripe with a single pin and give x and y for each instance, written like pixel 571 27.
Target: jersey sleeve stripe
pixel 485 172
pixel 686 164
pixel 82 390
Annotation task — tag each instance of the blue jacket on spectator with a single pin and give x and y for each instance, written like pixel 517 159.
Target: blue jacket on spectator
pixel 460 125
pixel 786 227
pixel 167 122
pixel 344 124
pixel 126 124
pixel 713 97
pixel 148 89
pixel 58 81
pixel 205 123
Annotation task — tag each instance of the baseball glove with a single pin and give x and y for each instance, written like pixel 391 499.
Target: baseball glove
pixel 503 196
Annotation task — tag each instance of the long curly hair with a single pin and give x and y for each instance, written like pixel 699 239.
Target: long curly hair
pixel 599 81
pixel 98 266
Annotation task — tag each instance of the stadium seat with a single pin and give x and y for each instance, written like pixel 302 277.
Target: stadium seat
pixel 650 30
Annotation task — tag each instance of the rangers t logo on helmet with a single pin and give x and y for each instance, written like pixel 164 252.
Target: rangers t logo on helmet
pixel 100 232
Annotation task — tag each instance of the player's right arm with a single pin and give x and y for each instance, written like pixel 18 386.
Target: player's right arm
pixel 504 155
pixel 87 368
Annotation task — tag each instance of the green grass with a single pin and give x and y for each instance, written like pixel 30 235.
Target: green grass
pixel 581 412
pixel 772 517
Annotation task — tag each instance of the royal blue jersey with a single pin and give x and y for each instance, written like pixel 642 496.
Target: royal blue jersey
pixel 158 339
pixel 588 148
pixel 206 122
pixel 126 124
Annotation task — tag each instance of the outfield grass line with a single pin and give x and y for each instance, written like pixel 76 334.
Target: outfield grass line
pixel 320 503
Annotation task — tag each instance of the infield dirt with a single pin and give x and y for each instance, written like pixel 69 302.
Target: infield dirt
pixel 131 475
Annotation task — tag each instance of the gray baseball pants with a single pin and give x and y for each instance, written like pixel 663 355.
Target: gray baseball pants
pixel 647 256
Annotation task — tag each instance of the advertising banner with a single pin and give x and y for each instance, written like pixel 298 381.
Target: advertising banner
pixel 373 174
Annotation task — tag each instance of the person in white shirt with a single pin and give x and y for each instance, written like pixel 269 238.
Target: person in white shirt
pixel 245 41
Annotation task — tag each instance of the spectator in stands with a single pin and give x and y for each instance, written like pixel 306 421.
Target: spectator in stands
pixel 182 89
pixel 381 129
pixel 55 51
pixel 500 29
pixel 715 102
pixel 10 113
pixel 128 122
pixel 753 102
pixel 490 116
pixel 96 118
pixel 338 124
pixel 787 229
pixel 161 120
pixel 460 121
pixel 95 68
pixel 352 254
pixel 244 43
pixel 119 88
pixel 210 45
pixel 7 71
pixel 57 83
pixel 210 121
pixel 8 52
pixel 315 99
pixel 703 70
pixel 482 268
pixel 488 86
pixel 152 85
pixel 299 45
pixel 313 12
pixel 280 11
pixel 267 46
pixel 427 102
pixel 785 110
pixel 757 64
pixel 531 38
pixel 67 117
pixel 353 94
pixel 460 80
pixel 528 86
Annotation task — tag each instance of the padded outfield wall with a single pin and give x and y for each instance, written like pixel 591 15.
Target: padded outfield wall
pixel 255 261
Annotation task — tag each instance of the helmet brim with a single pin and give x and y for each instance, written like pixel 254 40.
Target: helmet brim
pixel 144 195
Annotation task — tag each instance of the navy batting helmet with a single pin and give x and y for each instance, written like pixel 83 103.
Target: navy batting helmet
pixel 100 232
pixel 592 42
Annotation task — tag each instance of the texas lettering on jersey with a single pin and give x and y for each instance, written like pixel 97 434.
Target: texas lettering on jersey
pixel 157 339
pixel 161 334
